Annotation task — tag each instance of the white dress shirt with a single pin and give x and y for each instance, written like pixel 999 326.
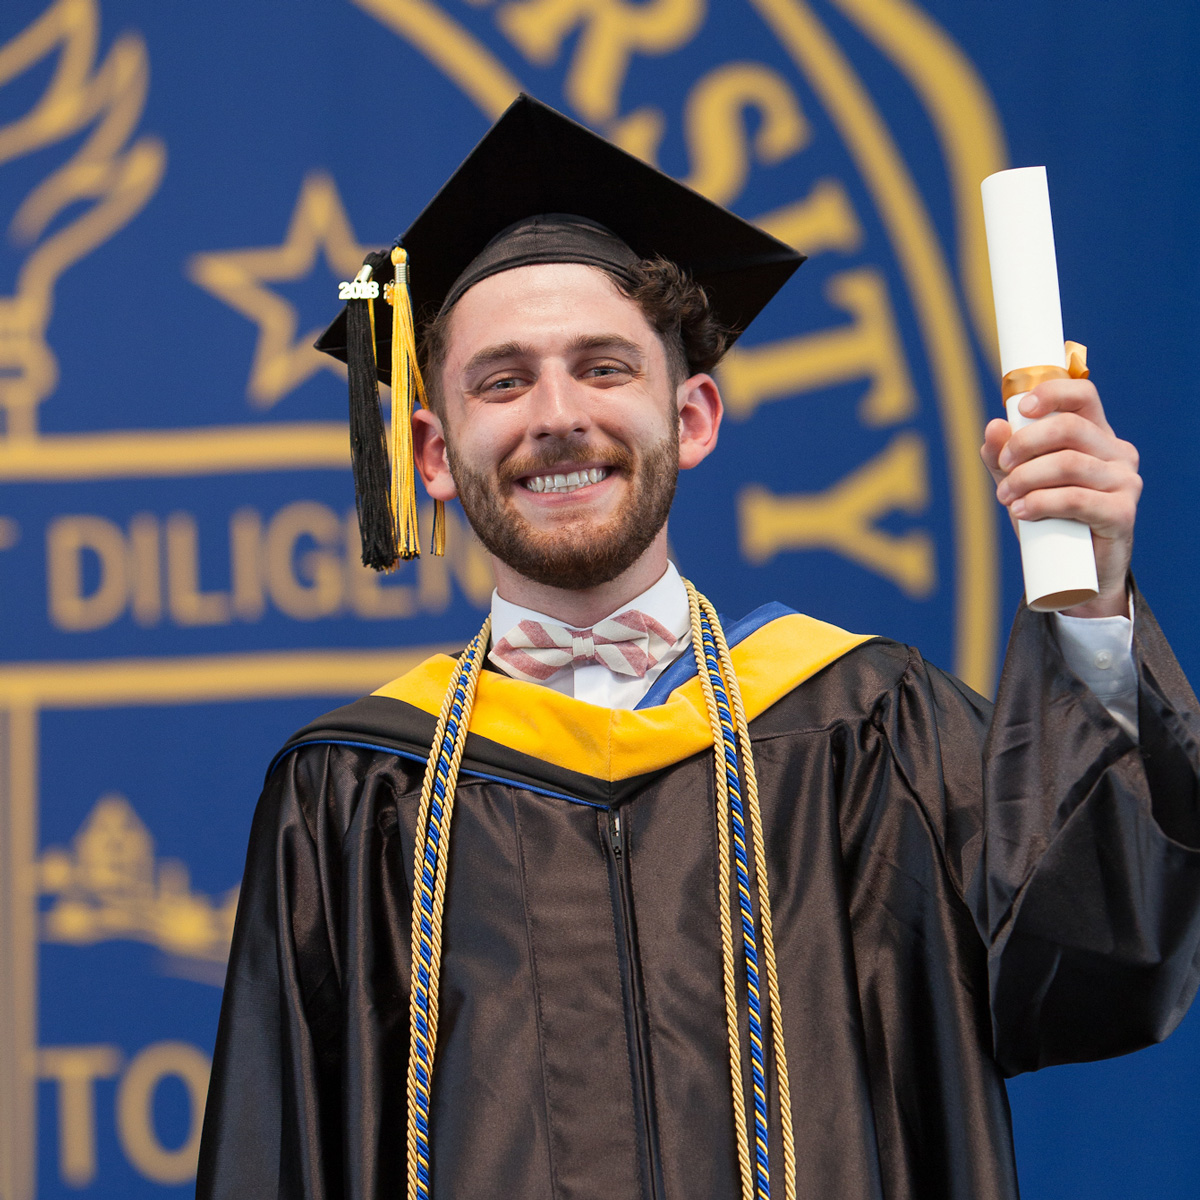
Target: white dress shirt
pixel 1098 649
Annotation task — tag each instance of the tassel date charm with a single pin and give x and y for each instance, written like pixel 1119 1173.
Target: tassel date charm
pixel 358 289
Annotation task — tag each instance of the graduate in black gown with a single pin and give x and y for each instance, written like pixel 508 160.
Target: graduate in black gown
pixel 622 904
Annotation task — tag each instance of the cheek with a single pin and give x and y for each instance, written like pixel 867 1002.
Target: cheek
pixel 637 420
pixel 486 437
pixel 654 426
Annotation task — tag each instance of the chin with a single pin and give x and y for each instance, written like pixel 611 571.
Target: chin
pixel 580 554
pixel 574 545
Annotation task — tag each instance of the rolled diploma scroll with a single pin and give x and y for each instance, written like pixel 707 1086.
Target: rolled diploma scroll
pixel 1056 555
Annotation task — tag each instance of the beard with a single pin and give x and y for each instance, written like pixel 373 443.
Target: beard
pixel 579 553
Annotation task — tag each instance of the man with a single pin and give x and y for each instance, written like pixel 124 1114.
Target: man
pixel 564 956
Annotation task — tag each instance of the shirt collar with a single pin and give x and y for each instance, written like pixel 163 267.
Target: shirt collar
pixel 666 601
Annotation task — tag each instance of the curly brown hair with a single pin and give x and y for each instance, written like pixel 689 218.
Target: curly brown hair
pixel 674 304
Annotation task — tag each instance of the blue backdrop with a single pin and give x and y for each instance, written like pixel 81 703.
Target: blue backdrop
pixel 181 188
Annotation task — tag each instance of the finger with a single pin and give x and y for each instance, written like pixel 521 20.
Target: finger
pixel 1109 514
pixel 1067 468
pixel 1065 395
pixel 995 438
pixel 1066 431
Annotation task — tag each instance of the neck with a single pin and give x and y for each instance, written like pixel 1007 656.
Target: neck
pixel 589 605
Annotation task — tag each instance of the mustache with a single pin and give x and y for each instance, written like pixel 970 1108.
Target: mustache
pixel 557 454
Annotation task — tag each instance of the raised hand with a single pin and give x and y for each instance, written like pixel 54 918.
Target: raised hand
pixel 1071 464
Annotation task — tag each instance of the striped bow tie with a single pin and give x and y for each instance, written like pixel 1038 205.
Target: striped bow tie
pixel 628 644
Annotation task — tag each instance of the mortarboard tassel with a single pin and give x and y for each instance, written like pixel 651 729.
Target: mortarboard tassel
pixel 368 438
pixel 407 389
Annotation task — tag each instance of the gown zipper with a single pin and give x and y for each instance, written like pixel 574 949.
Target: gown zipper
pixel 637 1026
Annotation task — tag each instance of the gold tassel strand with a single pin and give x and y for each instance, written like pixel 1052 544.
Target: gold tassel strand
pixel 437 538
pixel 404 486
pixel 408 388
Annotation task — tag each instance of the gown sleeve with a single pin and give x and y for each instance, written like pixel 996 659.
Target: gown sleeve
pixel 274 1087
pixel 1087 883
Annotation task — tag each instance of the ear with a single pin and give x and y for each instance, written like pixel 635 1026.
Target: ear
pixel 429 452
pixel 700 411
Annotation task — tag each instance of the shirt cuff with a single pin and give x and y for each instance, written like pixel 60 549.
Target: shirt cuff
pixel 1100 651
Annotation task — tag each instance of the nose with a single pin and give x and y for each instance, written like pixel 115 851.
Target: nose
pixel 560 406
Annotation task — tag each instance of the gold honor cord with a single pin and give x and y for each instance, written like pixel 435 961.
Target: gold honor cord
pixel 698 607
pixel 431 856
pixel 768 932
pixel 728 960
pixel 1025 379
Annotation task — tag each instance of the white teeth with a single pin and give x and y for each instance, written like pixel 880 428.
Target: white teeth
pixel 566 483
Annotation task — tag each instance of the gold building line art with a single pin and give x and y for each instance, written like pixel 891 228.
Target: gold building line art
pixel 109 885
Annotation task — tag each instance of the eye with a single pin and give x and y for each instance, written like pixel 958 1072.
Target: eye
pixel 500 384
pixel 606 370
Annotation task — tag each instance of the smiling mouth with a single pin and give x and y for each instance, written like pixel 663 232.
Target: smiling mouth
pixel 572 481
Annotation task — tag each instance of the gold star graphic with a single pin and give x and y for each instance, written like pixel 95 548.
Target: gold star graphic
pixel 319 225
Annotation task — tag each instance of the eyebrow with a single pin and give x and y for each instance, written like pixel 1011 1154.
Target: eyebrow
pixel 606 341
pixel 490 355
pixel 494 354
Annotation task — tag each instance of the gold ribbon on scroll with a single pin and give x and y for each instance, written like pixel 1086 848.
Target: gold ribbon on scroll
pixel 1025 379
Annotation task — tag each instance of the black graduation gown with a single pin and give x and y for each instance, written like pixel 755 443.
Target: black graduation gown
pixel 956 898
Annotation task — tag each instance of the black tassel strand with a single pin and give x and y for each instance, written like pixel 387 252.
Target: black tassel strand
pixel 368 438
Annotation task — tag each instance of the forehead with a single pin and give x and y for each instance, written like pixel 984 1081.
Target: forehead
pixel 543 306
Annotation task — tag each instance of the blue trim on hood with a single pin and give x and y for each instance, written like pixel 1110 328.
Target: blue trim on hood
pixel 684 667
pixel 419 758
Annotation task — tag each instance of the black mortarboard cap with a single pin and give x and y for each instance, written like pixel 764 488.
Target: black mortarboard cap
pixel 536 161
